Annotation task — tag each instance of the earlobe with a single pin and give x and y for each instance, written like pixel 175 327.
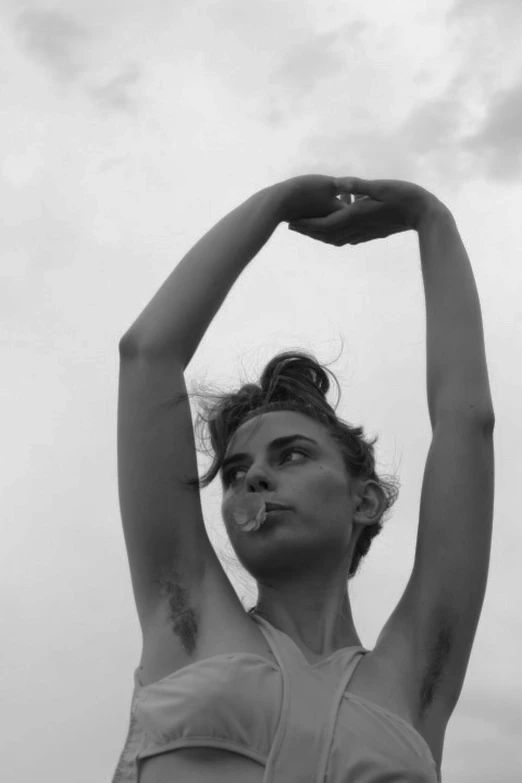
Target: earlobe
pixel 365 520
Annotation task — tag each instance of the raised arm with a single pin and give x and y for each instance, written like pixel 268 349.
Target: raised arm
pixel 457 374
pixel 429 636
pixel 165 535
pixel 178 316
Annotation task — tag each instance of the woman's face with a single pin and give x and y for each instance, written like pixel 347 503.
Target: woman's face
pixel 308 475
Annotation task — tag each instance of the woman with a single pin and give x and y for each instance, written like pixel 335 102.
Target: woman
pixel 286 693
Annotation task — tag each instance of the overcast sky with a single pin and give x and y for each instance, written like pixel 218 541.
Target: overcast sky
pixel 127 130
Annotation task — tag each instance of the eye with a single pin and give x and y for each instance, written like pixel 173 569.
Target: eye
pixel 229 476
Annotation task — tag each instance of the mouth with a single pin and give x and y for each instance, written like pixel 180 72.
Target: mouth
pixel 275 507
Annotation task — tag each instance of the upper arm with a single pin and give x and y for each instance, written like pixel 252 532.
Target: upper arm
pixel 453 549
pixel 430 634
pixel 162 518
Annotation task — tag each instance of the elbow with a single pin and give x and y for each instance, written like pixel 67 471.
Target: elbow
pixel 127 346
pixel 481 417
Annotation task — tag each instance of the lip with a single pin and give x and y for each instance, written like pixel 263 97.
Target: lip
pixel 276 507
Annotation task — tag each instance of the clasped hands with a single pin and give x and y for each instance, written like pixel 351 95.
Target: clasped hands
pixel 381 207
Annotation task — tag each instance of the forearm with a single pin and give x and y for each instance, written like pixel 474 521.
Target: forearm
pixel 176 319
pixel 457 374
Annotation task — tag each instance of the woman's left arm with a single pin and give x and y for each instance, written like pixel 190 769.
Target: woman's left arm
pixel 429 635
pixel 457 374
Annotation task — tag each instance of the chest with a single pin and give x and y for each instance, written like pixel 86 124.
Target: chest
pixel 374 680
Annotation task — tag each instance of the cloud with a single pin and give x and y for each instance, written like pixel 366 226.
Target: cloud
pixel 472 8
pixel 470 128
pixel 433 126
pixel 55 40
pixel 60 44
pixel 488 77
pixel 314 60
pixel 305 67
pixel 433 140
pixel 498 143
pixel 115 94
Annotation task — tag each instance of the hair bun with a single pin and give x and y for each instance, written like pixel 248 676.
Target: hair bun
pixel 286 374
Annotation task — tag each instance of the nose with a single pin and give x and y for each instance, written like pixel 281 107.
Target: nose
pixel 257 479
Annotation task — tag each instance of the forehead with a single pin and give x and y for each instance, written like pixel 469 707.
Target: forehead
pixel 260 430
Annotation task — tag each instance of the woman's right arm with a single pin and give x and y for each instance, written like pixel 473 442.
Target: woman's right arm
pixel 162 518
pixel 177 317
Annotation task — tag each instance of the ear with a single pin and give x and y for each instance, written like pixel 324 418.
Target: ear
pixel 371 503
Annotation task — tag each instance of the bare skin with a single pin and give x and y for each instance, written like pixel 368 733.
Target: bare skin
pixel 300 558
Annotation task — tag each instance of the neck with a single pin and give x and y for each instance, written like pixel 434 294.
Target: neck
pixel 318 622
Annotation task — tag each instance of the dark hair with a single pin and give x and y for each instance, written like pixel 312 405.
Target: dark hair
pixel 295 381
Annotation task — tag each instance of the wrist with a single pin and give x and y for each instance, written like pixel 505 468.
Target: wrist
pixel 279 196
pixel 433 210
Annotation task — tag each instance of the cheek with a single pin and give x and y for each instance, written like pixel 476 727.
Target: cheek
pixel 327 490
pixel 326 481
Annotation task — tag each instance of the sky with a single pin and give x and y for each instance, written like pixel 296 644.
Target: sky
pixel 127 130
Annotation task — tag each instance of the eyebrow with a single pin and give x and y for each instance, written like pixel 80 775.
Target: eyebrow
pixel 272 446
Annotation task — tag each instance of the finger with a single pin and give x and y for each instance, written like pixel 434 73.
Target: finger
pixel 312 234
pixel 327 221
pixel 339 204
pixel 333 220
pixel 359 239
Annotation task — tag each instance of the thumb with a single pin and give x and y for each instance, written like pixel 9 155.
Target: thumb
pixel 339 204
